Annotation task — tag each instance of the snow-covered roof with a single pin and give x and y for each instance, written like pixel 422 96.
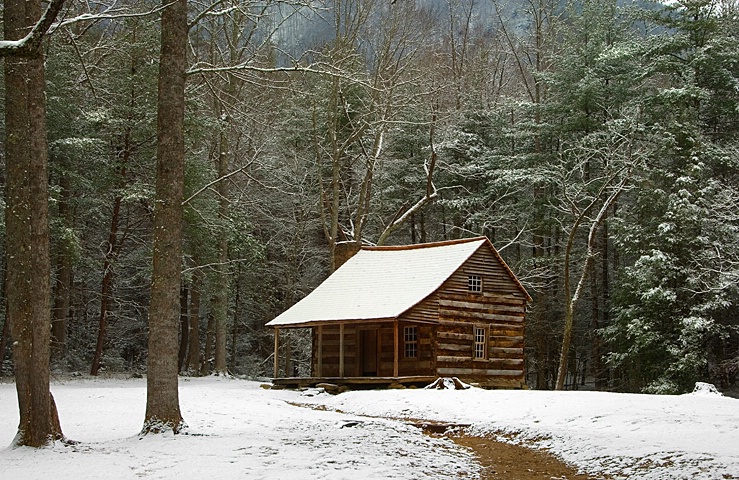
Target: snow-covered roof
pixel 380 283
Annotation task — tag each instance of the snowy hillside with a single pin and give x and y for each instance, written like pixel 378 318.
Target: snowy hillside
pixel 237 428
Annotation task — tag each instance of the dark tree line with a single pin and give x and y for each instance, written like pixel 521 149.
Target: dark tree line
pixel 595 144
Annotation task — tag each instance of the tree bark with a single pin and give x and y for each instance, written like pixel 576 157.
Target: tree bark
pixel 106 285
pixel 219 301
pixel 193 361
pixel 162 396
pixel 27 231
pixel 234 329
pixel 208 349
pixel 184 328
pixel 6 325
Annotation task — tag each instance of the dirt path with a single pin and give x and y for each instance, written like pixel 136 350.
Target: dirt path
pixel 507 461
pixel 513 462
pixel 500 460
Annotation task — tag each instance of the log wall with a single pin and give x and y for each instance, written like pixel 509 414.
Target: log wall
pixel 330 347
pixel 501 308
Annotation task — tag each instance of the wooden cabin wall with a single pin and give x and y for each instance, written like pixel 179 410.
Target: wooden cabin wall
pixel 501 307
pixel 424 364
pixel 386 339
pixel 427 311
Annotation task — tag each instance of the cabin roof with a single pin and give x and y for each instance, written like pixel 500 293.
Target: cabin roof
pixel 381 283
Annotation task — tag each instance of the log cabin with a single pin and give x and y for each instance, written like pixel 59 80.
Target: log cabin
pixel 410 314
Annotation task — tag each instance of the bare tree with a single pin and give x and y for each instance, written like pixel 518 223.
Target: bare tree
pixel 618 155
pixel 376 47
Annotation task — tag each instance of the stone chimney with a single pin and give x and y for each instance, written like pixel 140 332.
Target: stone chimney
pixel 343 251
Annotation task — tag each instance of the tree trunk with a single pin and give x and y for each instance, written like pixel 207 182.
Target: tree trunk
pixel 572 300
pixel 184 328
pixel 234 330
pixel 4 343
pixel 106 286
pixel 219 301
pixel 601 372
pixel 123 153
pixel 64 270
pixel 27 232
pixel 6 326
pixel 162 396
pixel 193 361
pixel 208 350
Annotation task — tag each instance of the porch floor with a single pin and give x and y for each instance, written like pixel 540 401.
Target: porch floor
pixel 356 382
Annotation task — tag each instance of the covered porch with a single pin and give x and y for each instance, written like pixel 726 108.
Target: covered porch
pixel 360 353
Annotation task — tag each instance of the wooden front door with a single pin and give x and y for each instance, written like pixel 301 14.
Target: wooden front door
pixel 368 353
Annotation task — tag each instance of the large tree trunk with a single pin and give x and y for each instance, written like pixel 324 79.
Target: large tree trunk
pixel 6 326
pixel 162 396
pixel 219 302
pixel 27 232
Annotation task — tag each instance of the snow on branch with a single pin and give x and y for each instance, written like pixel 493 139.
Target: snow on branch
pixel 109 13
pixel 29 44
pixel 319 68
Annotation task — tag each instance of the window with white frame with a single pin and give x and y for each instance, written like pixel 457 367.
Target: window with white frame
pixel 474 283
pixel 481 343
pixel 410 337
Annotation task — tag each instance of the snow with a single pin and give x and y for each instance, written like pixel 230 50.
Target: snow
pixel 235 429
pixel 238 429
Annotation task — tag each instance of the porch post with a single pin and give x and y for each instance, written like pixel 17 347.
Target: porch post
pixel 319 367
pixel 288 355
pixel 277 358
pixel 395 348
pixel 341 350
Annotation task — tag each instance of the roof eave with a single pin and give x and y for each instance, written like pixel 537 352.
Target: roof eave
pixel 318 323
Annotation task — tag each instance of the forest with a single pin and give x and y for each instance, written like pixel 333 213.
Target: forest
pixel 594 142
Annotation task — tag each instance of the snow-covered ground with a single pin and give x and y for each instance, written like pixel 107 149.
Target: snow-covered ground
pixel 238 429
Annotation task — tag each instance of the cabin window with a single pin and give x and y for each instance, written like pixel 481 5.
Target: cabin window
pixel 481 343
pixel 474 283
pixel 410 336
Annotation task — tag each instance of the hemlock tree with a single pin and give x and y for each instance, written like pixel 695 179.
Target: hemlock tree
pixel 675 304
pixel 162 396
pixel 26 216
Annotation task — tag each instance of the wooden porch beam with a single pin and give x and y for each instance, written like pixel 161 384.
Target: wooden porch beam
pixel 288 355
pixel 395 348
pixel 341 349
pixel 277 358
pixel 319 362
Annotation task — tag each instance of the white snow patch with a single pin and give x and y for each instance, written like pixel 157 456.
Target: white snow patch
pixel 238 430
pixel 623 435
pixel 703 388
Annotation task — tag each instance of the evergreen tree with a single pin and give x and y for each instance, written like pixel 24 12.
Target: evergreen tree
pixel 674 323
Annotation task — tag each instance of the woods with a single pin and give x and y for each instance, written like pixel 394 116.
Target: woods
pixel 202 182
